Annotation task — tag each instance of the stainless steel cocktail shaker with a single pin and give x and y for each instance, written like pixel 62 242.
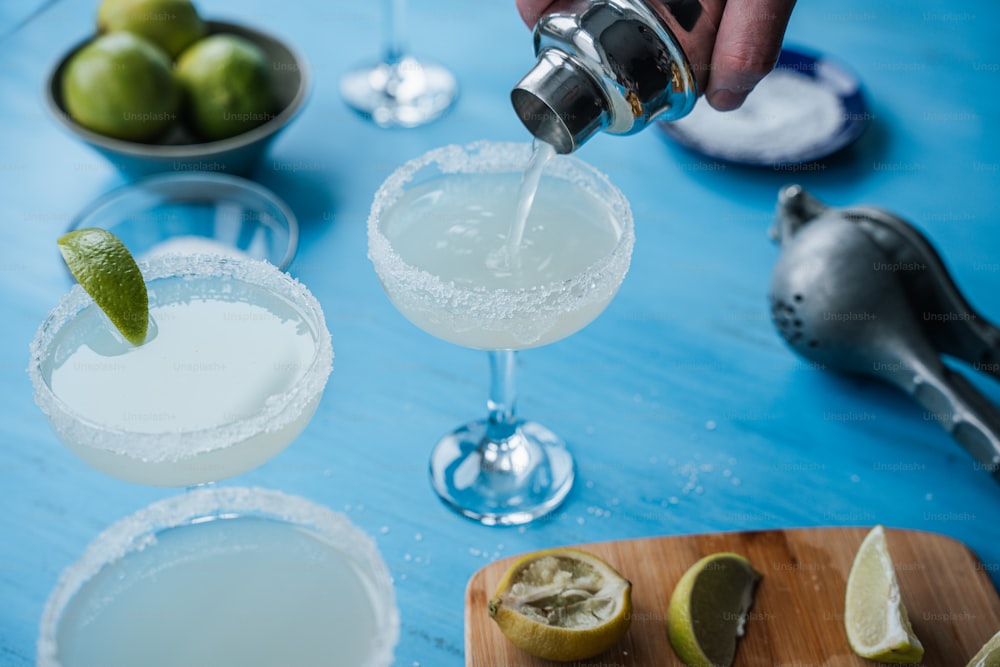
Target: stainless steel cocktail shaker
pixel 615 66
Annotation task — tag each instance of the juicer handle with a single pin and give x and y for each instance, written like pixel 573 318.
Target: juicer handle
pixel 963 411
pixel 951 323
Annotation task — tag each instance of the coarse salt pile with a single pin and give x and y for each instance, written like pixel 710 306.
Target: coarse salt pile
pixel 786 118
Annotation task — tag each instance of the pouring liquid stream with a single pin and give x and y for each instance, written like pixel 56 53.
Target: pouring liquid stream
pixel 541 153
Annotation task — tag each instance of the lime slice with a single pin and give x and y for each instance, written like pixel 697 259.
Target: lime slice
pixel 989 654
pixel 562 604
pixel 878 627
pixel 107 271
pixel 708 609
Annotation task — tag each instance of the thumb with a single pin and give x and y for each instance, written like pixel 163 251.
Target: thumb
pixel 746 48
pixel 532 10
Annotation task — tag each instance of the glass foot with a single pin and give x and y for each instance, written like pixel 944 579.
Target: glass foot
pixel 406 93
pixel 502 481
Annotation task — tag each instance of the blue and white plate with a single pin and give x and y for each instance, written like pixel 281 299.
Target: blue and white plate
pixel 822 110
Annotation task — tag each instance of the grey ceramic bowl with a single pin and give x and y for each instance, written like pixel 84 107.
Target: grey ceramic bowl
pixel 180 149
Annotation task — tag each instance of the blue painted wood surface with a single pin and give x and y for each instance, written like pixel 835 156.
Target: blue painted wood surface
pixel 684 409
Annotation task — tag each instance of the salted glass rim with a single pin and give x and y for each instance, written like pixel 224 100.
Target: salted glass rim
pixel 279 410
pixel 498 157
pixel 138 531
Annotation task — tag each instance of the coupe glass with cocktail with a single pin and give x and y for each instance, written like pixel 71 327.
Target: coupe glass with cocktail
pixel 456 259
pixel 224 576
pixel 234 364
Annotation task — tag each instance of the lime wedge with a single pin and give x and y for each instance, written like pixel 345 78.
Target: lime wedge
pixel 107 271
pixel 562 604
pixel 989 654
pixel 708 609
pixel 878 627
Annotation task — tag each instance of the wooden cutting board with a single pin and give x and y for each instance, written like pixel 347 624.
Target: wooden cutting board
pixel 798 611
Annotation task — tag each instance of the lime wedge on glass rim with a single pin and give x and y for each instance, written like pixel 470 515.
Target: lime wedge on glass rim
pixel 106 270
pixel 878 627
pixel 708 609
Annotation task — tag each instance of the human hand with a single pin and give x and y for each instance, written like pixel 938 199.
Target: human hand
pixel 746 46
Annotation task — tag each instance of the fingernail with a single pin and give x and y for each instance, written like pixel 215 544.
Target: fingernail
pixel 724 99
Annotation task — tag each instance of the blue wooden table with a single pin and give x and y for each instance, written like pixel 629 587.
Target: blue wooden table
pixel 685 410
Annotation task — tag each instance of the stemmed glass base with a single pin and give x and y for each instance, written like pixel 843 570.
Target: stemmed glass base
pixel 399 93
pixel 502 481
pixel 502 471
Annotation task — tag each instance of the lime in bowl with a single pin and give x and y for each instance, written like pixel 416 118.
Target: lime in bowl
pixel 180 147
pixel 233 366
pixel 224 576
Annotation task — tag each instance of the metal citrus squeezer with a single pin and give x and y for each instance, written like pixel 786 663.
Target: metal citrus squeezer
pixel 862 291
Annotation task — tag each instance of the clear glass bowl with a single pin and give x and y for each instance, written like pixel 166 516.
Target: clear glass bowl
pixel 226 575
pixel 197 213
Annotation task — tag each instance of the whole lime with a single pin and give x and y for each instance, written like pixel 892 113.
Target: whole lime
pixel 228 84
pixel 122 86
pixel 173 25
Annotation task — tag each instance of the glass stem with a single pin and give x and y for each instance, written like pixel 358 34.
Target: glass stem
pixel 502 395
pixel 395 19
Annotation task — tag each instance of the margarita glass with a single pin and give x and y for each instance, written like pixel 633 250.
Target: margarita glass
pixel 437 236
pixel 237 357
pixel 224 576
pixel 399 90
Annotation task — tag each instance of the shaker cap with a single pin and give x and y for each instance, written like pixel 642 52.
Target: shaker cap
pixel 606 65
pixel 559 102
